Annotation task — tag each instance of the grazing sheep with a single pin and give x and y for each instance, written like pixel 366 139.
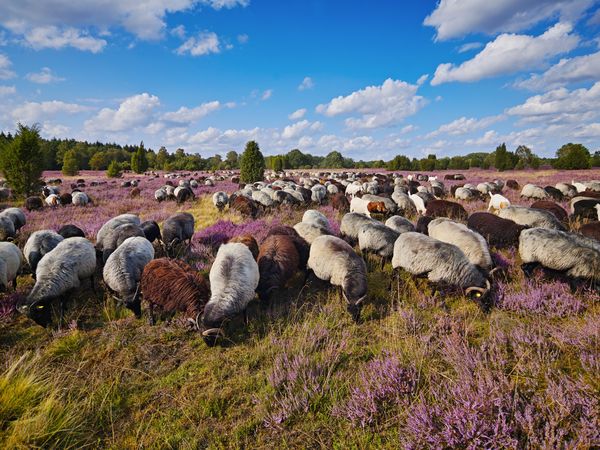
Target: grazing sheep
pixel 115 237
pixel 7 228
pixel 47 191
pixel 377 238
pixel 80 199
pixel 399 224
pixel 423 224
pixel 234 277
pixel 567 190
pixel 365 207
pixel 530 217
pixel 10 264
pixel 34 203
pixel 553 208
pixel 498 201
pixel 263 199
pixel 160 195
pixel 177 228
pixel 319 193
pixel 332 259
pixel 16 215
pixel 53 200
pixel 114 223
pixel 340 202
pixel 59 272
pixel 572 254
pixel 171 285
pixel 183 194
pixel 419 203
pixel 472 244
pixel 498 232
pixel 220 199
pixel 151 230
pixel 248 241
pixel 65 199
pixel 316 218
pixel 39 243
pixel 278 260
pixel 123 271
pixel 445 208
pixel 441 262
pixel 245 206
pixel 310 232
pixel 351 225
pixel 465 194
pixel 586 209
pixel 404 204
pixel 512 184
pixel 135 192
pixel 556 194
pixel 533 191
pixel 591 230
pixel 69 231
pixel 282 230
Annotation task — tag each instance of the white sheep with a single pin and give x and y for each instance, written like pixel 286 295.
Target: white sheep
pixel 530 217
pixel 11 259
pixel 498 201
pixel 316 218
pixel 220 200
pixel 39 243
pixel 400 224
pixel 418 202
pixel 533 191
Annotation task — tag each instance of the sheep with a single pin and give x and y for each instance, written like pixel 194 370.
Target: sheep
pixel 171 285
pixel 151 230
pixel 340 202
pixel 177 228
pixel 423 224
pixel 234 277
pixel 10 264
pixel 533 191
pixel 69 231
pixel 390 205
pixel 262 198
pixel 160 195
pixel 404 203
pixel 183 194
pixel 556 194
pixel 419 203
pixel 512 184
pixel 332 189
pixel 553 208
pixel 57 273
pixel 498 232
pixel 7 228
pixel 16 215
pixel 112 240
pixel 591 230
pixel 123 271
pixel 220 199
pixel 498 201
pixel 278 260
pixel 248 241
pixel 365 207
pixel 576 256
pixel 472 244
pixel 399 224
pixel 445 208
pixel 316 218
pixel 114 223
pixel 244 206
pixel 310 232
pixel 34 203
pixel 319 192
pixel 353 189
pixel 333 260
pixel 39 243
pixel 53 200
pixel 530 217
pixel 351 225
pixel 463 193
pixel 377 238
pixel 567 190
pixel 50 190
pixel 80 199
pixel 441 262
pixel 282 230
pixel 586 209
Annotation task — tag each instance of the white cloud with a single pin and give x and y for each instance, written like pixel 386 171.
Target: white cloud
pixel 454 19
pixel 145 20
pixel 266 95
pixel 490 137
pixel 510 53
pixel 379 106
pixel 464 125
pixel 298 114
pixel 178 31
pixel 422 79
pixel 470 46
pixel 206 43
pixel 591 130
pixel 44 76
pixel 51 130
pixel 307 83
pixel 208 135
pixel 567 70
pixel 189 115
pixel 133 112
pixel 296 129
pixel 408 129
pixel 53 37
pixel 242 38
pixel 31 112
pixel 5 71
pixel 7 90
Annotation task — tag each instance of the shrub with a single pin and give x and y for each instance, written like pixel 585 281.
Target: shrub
pixel 114 170
pixel 70 163
pixel 252 166
pixel 22 160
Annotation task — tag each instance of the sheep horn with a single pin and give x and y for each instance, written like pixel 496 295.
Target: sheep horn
pixel 212 332
pixel 494 270
pixel 360 300
pixel 487 285
pixel 196 323
pixel 476 289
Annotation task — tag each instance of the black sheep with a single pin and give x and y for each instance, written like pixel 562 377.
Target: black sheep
pixel 498 232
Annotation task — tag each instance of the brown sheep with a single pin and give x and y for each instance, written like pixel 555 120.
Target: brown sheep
pixel 340 202
pixel 248 241
pixel 134 193
pixel 66 199
pixel 423 225
pixel 445 208
pixel 34 203
pixel 376 207
pixel 512 184
pixel 282 230
pixel 171 285
pixel 591 230
pixel 245 206
pixel 498 232
pixel 553 208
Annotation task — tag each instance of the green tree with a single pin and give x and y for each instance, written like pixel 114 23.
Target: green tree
pixel 114 170
pixel 400 162
pixel 232 159
pixel 297 159
pixel 278 164
pixel 139 162
pixel 70 165
pixel 252 164
pixel 428 164
pixel 162 158
pixel 503 159
pixel 21 160
pixel 572 156
pixel 334 160
pixel 99 161
pixel 595 159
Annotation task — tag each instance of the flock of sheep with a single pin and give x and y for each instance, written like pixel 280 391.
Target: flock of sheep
pixel 446 245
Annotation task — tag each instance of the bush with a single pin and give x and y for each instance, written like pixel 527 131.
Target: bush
pixel 70 163
pixel 21 161
pixel 114 170
pixel 252 166
pixel 139 161
pixel 572 156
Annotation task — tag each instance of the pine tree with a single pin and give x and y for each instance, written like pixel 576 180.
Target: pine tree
pixel 114 170
pixel 139 162
pixel 21 160
pixel 70 163
pixel 252 165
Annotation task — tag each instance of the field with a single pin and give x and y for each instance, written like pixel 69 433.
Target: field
pixel 421 370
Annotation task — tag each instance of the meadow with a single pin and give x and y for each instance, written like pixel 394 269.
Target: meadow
pixel 421 370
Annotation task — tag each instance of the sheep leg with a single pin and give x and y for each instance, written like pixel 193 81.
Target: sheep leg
pixel 308 276
pixel 151 320
pixel 93 285
pixel 382 262
pixel 14 283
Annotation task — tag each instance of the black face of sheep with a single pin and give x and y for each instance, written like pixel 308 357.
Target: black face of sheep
pixel 40 312
pixel 354 307
pixel 479 294
pixel 212 324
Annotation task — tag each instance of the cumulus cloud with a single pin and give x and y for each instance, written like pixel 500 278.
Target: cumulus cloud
pixel 53 37
pixel 454 19
pixel 470 46
pixel 205 43
pixel 178 31
pixel 44 76
pixel 464 125
pixel 189 115
pixel 379 106
pixel 510 53
pixel 307 83
pixel 567 70
pixel 7 90
pixel 298 128
pixel 298 114
pixel 31 112
pixel 5 68
pixel 133 112
pixel 490 137
pixel 242 38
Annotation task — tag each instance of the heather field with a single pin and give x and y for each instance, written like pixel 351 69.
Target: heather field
pixel 421 370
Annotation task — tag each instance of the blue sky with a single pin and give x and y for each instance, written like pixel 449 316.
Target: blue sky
pixel 369 79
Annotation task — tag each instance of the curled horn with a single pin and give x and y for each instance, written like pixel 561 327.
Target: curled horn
pixel 196 323
pixel 360 300
pixel 487 285
pixel 213 332
pixel 476 289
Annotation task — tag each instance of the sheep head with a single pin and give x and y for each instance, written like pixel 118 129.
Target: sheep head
pixel 376 207
pixel 478 293
pixel 40 311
